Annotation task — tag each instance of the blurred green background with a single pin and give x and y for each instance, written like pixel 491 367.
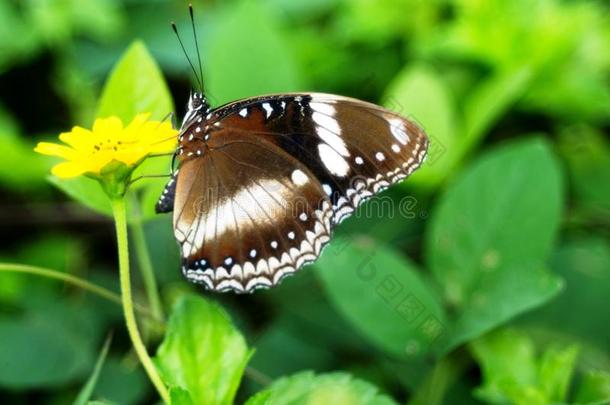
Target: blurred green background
pixel 491 286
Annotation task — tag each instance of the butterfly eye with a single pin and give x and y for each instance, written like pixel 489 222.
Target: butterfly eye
pixel 196 101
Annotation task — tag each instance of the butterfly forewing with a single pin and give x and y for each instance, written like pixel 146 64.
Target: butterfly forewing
pixel 262 181
pixel 355 149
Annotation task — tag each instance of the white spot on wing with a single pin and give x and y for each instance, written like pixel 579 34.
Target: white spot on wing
pixel 333 140
pixel 379 156
pixel 327 189
pixel 333 161
pixel 323 108
pixel 397 127
pixel 299 178
pixel 359 160
pixel 326 121
pixel 396 148
pixel 243 112
pixel 268 109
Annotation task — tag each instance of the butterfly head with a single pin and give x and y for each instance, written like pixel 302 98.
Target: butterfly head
pixel 197 105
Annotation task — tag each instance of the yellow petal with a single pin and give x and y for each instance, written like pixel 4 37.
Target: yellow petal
pixel 53 149
pixel 79 138
pixel 131 156
pixel 167 146
pixel 69 169
pixel 108 128
pixel 162 139
pixel 98 160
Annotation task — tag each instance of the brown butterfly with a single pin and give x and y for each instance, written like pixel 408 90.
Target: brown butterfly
pixel 261 182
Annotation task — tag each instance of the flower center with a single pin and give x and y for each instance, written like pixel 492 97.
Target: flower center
pixel 108 145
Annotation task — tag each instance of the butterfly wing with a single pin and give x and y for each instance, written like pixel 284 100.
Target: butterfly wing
pixel 276 174
pixel 247 214
pixel 354 148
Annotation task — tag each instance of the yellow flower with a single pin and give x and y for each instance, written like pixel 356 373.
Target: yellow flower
pixel 109 146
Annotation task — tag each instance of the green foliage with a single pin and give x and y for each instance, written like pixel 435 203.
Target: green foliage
pixel 513 373
pixel 135 85
pixel 87 391
pixel 561 42
pixel 41 354
pixel 308 388
pixel 587 154
pixel 594 388
pixel 16 153
pixel 584 264
pixel 396 310
pixel 255 39
pixel 121 381
pixel 202 353
pixel 491 234
pixel 180 397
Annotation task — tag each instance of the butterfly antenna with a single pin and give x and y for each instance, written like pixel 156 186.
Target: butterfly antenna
pixel 196 45
pixel 186 55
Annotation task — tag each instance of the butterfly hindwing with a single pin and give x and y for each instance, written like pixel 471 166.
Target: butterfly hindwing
pixel 248 214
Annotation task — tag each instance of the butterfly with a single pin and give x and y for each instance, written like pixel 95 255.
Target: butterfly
pixel 261 182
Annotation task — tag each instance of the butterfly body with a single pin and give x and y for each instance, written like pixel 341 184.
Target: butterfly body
pixel 262 181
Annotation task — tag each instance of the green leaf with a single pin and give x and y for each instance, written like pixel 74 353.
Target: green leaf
pixel 489 100
pixel 395 310
pixel 202 352
pixel 392 216
pixel 136 85
pixel 508 363
pixel 584 263
pixel 419 93
pixel 122 382
pixel 587 153
pixel 594 388
pixel 37 353
pixel 257 44
pixel 18 153
pixel 284 349
pixel 309 389
pixel 555 373
pixel 513 373
pixel 178 396
pixel 491 234
pixel 86 191
pixel 499 297
pixel 87 390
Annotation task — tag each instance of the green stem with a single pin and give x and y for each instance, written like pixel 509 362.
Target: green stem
pixel 118 209
pixel 146 268
pixel 445 373
pixel 75 281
